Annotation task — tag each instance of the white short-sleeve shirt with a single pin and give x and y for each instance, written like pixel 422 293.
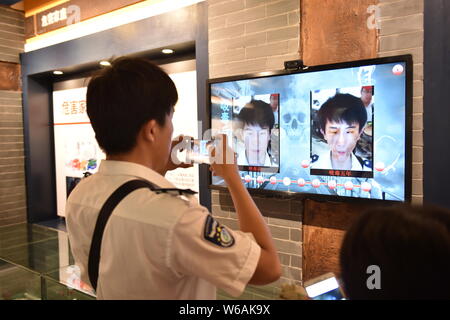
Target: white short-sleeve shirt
pixel 156 246
pixel 324 162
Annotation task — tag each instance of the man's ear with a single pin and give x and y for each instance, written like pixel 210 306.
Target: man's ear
pixel 150 130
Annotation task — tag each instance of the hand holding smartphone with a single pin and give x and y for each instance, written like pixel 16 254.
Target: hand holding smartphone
pixel 217 153
pixel 325 287
pixel 197 151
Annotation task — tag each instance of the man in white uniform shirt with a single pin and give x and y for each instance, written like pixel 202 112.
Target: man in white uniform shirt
pixel 158 244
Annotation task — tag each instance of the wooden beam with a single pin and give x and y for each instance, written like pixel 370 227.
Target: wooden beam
pixel 10 76
pixel 337 30
pixel 32 6
pixel 324 227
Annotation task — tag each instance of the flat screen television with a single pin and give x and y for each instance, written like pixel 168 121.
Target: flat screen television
pixel 338 131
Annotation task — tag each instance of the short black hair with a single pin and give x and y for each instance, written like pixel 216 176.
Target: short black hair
pixel 257 112
pixel 123 97
pixel 343 107
pixel 371 88
pixel 410 245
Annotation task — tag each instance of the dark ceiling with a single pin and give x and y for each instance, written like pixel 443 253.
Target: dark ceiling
pixel 8 2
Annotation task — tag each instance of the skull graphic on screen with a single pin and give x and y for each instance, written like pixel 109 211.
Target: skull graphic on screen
pixel 295 122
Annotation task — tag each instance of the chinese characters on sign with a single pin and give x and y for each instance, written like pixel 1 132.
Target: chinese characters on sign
pixel 74 107
pixel 225 113
pixel 77 153
pixel 68 12
pixel 340 173
pixel 53 17
pixel 58 17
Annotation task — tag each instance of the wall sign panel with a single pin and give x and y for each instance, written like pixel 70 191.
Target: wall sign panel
pixel 70 12
pixel 76 150
pixel 185 122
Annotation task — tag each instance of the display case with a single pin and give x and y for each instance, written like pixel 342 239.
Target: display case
pixel 65 283
pixel 18 283
pixel 36 264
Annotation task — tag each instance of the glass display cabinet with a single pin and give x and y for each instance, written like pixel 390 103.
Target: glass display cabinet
pixel 36 264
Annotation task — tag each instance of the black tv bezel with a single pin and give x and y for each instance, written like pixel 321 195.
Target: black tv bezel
pixel 407 59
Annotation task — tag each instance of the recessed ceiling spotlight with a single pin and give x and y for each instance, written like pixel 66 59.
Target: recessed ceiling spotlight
pixel 167 51
pixel 58 72
pixel 105 63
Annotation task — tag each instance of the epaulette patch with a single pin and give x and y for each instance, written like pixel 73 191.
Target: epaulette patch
pixel 217 234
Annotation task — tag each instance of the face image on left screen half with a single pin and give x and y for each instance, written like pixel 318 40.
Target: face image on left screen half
pixel 252 126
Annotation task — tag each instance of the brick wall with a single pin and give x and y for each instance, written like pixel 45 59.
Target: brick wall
pixel 401 32
pixel 254 36
pixel 247 36
pixel 12 172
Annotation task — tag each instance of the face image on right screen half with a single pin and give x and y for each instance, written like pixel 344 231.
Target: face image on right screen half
pixel 341 132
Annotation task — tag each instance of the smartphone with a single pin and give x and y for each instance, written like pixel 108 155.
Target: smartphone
pixel 198 151
pixel 324 287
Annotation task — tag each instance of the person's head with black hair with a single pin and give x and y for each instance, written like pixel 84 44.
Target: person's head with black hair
pixel 410 248
pixel 367 93
pixel 130 105
pixel 342 119
pixel 256 121
pixel 274 101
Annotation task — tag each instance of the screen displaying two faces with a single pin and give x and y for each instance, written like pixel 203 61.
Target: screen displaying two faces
pixel 338 131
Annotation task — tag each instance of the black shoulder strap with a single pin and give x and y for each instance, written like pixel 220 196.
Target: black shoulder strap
pixel 102 219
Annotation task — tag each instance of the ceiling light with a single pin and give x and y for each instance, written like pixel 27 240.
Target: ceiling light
pixel 105 63
pixel 58 72
pixel 167 51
